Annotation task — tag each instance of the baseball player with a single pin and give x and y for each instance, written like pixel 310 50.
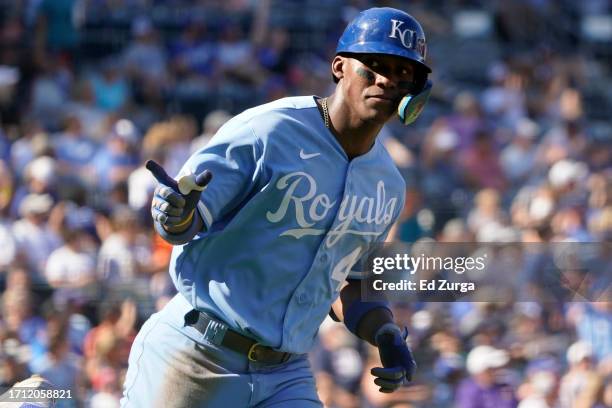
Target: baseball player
pixel 271 223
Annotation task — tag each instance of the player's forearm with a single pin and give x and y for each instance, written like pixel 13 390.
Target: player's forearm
pixel 369 322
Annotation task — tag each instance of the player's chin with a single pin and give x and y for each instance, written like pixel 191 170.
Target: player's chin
pixel 381 112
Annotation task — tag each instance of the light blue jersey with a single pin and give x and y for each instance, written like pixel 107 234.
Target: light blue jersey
pixel 287 217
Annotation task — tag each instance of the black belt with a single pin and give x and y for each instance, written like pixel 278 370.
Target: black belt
pixel 238 342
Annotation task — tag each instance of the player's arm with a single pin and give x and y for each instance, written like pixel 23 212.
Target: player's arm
pixel 373 322
pixel 372 319
pixel 235 156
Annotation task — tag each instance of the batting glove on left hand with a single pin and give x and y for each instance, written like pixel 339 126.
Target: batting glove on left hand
pixel 396 357
pixel 174 201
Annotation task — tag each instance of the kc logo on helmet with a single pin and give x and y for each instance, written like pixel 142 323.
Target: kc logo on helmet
pixel 405 36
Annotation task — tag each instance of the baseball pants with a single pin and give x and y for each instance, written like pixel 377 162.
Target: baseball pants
pixel 173 365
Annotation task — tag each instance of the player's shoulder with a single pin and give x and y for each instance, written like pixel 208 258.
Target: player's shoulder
pixel 280 107
pixel 273 114
pixel 276 120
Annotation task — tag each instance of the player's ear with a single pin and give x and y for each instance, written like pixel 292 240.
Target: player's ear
pixel 338 67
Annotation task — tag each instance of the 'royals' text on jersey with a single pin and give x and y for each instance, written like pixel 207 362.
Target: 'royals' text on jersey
pixel 287 219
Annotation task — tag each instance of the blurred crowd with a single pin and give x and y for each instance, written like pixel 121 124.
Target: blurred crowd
pixel 514 146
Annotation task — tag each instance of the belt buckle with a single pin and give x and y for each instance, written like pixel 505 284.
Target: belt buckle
pixel 250 354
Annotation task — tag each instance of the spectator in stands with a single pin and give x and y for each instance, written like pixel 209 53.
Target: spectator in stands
pixel 540 391
pixel 593 324
pixel 111 90
pixel 504 99
pixel 59 365
pixel 74 148
pixel 107 389
pixel 273 54
pixel 518 159
pixel 17 278
pixel 7 185
pixel 115 160
pixel 579 387
pixel 455 230
pixel 71 269
pixel 567 179
pixel 144 61
pixel 144 58
pixel 7 241
pixel 600 222
pixel 486 211
pixel 480 163
pixel 40 177
pixel 566 140
pixel 51 92
pixel 339 357
pixel 441 178
pixel 83 108
pixel 107 345
pixel 58 25
pixel 483 389
pixel 34 142
pixel 35 238
pixel 448 367
pixel 13 366
pixel 466 120
pixel 125 254
pixel 193 57
pixel 236 54
pixel 5 147
pixel 19 318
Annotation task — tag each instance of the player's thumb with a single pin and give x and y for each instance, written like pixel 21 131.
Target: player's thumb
pixel 191 186
pixel 191 182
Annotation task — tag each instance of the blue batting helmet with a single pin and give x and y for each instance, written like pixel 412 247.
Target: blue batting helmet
pixel 385 30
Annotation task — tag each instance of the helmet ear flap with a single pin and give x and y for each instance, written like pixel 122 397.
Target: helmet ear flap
pixel 411 105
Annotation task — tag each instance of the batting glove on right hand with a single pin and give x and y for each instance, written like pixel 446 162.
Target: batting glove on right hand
pixel 174 202
pixel 396 357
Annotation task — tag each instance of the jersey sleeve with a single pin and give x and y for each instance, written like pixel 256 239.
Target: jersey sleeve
pixel 234 156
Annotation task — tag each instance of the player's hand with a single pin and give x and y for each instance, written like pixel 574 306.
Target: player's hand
pixel 396 357
pixel 174 202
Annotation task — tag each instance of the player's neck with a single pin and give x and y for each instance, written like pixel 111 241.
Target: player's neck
pixel 354 135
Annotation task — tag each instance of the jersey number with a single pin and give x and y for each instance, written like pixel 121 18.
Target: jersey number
pixel 343 267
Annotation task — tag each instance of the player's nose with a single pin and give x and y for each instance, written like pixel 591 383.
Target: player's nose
pixel 386 80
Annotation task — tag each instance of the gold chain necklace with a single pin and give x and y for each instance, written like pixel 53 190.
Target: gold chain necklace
pixel 325 112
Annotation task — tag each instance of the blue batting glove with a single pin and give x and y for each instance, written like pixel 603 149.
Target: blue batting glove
pixel 174 201
pixel 396 357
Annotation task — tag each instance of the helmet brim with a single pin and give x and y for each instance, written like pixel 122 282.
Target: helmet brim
pixel 385 49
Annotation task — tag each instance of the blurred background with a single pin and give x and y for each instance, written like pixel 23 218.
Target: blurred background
pixel 514 145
